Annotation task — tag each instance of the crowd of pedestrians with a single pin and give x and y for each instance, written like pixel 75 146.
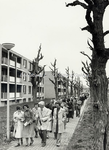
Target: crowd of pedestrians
pixel 43 118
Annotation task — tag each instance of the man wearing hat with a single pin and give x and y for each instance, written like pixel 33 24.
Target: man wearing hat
pixel 43 116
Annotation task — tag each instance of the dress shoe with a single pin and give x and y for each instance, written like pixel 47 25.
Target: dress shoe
pixel 58 143
pixel 36 136
pixel 43 144
pixel 17 145
pixel 31 142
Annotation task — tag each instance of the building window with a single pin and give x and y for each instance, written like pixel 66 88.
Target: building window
pixel 29 77
pixel 24 89
pixel 29 90
pixel 30 66
pixel 24 76
pixel 25 63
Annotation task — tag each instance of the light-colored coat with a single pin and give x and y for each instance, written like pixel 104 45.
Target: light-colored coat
pixel 18 118
pixel 43 116
pixel 61 119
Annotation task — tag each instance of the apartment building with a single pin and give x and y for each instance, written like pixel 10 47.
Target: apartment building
pixel 49 86
pixel 20 87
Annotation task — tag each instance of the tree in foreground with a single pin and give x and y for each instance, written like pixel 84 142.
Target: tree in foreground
pixel 98 80
pixel 36 72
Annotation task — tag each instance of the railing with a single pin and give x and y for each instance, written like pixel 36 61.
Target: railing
pixel 18 80
pixel 18 94
pixel 3 95
pixel 4 78
pixel 12 79
pixel 12 63
pixel 4 60
pixel 11 95
pixel 18 65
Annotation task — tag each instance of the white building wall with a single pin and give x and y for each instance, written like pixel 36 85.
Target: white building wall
pixel 48 85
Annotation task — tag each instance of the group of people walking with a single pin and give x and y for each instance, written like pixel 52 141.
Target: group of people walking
pixel 42 119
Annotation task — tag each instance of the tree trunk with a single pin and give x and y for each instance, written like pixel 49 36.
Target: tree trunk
pixel 71 90
pixel 34 93
pixel 99 85
pixel 56 88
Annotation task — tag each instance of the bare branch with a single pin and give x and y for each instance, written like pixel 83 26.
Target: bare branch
pixel 85 66
pixel 55 62
pixel 89 2
pixel 51 69
pixel 75 3
pixel 105 33
pixel 42 69
pixel 91 48
pixel 82 52
pixel 106 52
pixel 86 28
pixel 52 65
pixel 52 81
pixel 39 55
pixel 84 71
pixel 39 51
pixel 88 18
pixel 40 79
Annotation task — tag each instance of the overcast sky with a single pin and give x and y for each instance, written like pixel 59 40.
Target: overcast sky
pixel 27 23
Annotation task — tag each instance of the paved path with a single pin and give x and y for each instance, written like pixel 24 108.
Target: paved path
pixel 51 143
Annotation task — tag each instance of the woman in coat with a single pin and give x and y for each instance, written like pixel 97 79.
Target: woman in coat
pixel 28 130
pixel 58 122
pixel 18 118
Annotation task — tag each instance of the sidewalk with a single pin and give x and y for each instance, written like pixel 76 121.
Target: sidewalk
pixel 51 143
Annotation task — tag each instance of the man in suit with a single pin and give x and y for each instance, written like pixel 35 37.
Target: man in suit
pixel 43 115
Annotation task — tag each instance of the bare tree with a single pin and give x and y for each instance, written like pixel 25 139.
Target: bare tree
pixel 36 78
pixel 72 84
pixel 67 83
pixel 100 54
pixel 54 71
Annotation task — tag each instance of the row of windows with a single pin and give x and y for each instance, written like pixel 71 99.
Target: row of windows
pixel 24 89
pixel 12 57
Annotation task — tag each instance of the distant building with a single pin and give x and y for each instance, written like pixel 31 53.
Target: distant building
pixel 49 86
pixel 20 87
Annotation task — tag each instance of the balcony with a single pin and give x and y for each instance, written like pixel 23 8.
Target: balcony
pixel 12 79
pixel 12 63
pixel 18 65
pixel 18 80
pixel 18 94
pixel 4 60
pixel 4 78
pixel 11 95
pixel 3 95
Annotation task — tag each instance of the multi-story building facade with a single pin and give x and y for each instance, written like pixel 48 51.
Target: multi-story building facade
pixel 20 87
pixel 49 86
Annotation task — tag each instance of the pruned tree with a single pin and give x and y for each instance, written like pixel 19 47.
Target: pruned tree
pixel 72 84
pixel 36 78
pixel 54 71
pixel 100 54
pixel 67 83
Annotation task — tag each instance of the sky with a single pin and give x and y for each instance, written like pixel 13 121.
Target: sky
pixel 29 23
